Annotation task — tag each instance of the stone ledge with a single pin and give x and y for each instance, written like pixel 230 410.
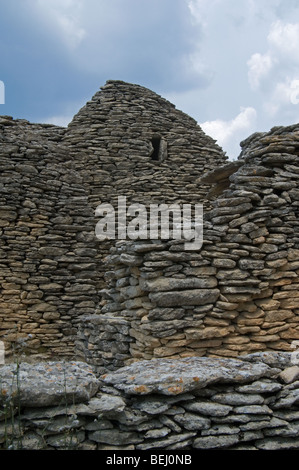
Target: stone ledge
pixel 173 377
pixel 233 404
pixel 47 384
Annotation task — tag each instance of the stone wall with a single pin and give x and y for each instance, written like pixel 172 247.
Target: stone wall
pixel 237 295
pixel 188 405
pixel 62 296
pixel 208 337
pixel 129 141
pixel 47 266
pixel 51 181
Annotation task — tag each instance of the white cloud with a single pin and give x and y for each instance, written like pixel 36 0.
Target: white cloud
pixel 284 39
pixel 229 134
pixel 209 57
pixel 259 67
pixel 64 16
pixel 199 9
pixel 284 94
pixel 275 74
pixel 281 59
pixel 62 121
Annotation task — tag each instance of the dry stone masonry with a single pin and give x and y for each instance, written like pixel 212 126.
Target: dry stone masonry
pixel 189 405
pixel 127 141
pixel 237 295
pixel 146 344
pixel 47 267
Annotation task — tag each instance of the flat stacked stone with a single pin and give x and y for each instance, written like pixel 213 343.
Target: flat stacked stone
pixel 162 404
pixel 51 181
pixel 238 293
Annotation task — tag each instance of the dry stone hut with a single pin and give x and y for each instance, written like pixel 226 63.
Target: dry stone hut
pixel 209 337
pixel 66 294
pixel 130 141
pixel 127 141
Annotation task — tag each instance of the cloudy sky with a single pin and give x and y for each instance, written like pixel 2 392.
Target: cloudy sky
pixel 233 65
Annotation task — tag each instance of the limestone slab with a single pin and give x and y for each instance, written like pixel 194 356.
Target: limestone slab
pixel 47 384
pixel 170 377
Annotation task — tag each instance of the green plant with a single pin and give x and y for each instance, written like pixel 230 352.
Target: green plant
pixel 11 408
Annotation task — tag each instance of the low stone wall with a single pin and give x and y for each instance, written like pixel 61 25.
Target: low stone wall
pixel 164 302
pixel 188 404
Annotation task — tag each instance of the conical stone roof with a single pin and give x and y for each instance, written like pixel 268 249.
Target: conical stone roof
pixel 132 140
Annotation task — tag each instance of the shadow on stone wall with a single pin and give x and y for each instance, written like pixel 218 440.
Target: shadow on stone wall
pixel 237 295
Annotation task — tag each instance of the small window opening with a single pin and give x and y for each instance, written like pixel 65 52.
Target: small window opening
pixel 156 143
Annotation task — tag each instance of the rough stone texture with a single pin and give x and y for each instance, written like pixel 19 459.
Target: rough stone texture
pixel 62 297
pixel 47 384
pixel 234 404
pixel 290 375
pixel 51 181
pixel 236 295
pixel 176 377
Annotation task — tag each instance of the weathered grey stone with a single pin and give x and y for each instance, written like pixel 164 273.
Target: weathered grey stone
pixel 186 297
pixel 115 437
pixel 50 412
pixel 59 425
pixel 170 423
pixel 277 360
pixel 173 378
pixel 287 399
pixel 151 421
pixel 166 314
pixel 251 264
pixel 237 399
pixel 260 386
pixel 213 442
pixel 254 409
pixel 130 260
pixel 169 284
pixel 98 424
pixel 222 173
pixel 192 422
pixel 208 408
pixel 220 429
pixel 157 433
pixel 105 404
pixel 277 444
pixel 132 418
pixel 287 415
pixel 186 444
pixel 163 443
pixel 32 441
pixel 67 441
pixel 290 430
pixel 253 436
pixel 257 425
pixel 224 263
pixel 234 419
pixel 152 406
pixel 47 384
